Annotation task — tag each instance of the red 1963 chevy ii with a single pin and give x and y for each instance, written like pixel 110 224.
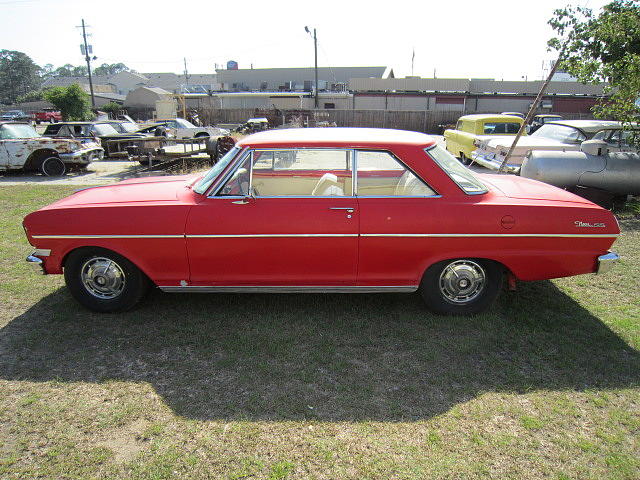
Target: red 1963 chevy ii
pixel 321 210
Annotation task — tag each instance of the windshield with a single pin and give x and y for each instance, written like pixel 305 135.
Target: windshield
pixel 17 131
pixel 182 123
pixel 212 174
pixel 561 133
pixel 129 127
pixel 463 177
pixel 104 129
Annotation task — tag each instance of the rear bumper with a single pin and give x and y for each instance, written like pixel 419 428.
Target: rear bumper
pixel 493 162
pixel 606 262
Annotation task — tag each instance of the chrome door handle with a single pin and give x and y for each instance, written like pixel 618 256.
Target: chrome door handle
pixel 348 209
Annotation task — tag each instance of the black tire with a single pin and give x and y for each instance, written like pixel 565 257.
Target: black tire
pixel 53 167
pixel 464 159
pixel 103 281
pixel 462 286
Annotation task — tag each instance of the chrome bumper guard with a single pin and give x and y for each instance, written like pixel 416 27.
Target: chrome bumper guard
pixel 36 262
pixel 606 262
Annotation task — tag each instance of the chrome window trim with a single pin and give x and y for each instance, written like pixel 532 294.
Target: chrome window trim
pixel 404 165
pixel 217 183
pixel 292 170
pixel 428 149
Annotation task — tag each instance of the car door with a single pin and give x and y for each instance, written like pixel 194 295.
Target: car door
pixel 282 218
pixel 397 212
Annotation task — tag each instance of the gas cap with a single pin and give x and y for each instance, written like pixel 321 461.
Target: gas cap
pixel 508 222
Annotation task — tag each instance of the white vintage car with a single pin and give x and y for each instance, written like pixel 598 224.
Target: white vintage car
pixel 22 148
pixel 181 128
pixel 565 135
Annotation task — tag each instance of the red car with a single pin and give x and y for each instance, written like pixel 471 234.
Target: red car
pixel 321 210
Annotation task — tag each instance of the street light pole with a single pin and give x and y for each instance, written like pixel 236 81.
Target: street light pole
pixel 315 52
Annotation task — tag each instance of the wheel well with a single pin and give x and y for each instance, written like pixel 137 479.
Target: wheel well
pixel 94 247
pixel 201 134
pixel 36 158
pixel 501 265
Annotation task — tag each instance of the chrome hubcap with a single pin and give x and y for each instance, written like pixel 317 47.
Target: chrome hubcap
pixel 462 281
pixel 102 277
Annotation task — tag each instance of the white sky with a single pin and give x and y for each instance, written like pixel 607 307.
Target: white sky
pixel 501 39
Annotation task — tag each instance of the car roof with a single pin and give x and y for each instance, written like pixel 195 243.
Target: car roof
pixel 588 125
pixel 336 136
pixel 488 116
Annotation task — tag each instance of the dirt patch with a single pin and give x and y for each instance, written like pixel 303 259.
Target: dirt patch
pixel 126 443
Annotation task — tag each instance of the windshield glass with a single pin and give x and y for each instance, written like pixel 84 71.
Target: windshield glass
pixel 129 127
pixel 104 129
pixel 212 174
pixel 463 177
pixel 17 131
pixel 561 133
pixel 182 123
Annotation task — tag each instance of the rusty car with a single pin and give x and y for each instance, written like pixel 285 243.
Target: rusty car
pixel 22 148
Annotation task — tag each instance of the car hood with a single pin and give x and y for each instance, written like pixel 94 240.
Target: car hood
pixel 144 190
pixel 513 186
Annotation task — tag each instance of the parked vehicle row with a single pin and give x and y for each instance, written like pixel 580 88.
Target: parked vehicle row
pixel 593 158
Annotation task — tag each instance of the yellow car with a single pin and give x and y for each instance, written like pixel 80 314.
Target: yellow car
pixel 462 141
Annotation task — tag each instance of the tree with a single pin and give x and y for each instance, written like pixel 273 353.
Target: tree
pixel 18 75
pixel 111 69
pixel 603 48
pixel 72 101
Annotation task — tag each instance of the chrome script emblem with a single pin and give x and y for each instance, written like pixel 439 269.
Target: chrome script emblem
pixel 589 225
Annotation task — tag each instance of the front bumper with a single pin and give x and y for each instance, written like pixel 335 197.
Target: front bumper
pixel 38 263
pixel 83 156
pixel 606 262
pixel 493 161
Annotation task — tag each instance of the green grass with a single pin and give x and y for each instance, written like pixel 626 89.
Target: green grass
pixel 544 385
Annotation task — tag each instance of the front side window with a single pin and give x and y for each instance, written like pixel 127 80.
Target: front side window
pixel 302 172
pixel 381 174
pixel 462 176
pixel 203 185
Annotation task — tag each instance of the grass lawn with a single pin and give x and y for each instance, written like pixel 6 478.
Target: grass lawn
pixel 546 385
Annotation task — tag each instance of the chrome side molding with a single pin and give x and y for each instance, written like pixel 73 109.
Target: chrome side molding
pixel 289 289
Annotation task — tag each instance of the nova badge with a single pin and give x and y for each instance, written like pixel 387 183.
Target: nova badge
pixel 589 225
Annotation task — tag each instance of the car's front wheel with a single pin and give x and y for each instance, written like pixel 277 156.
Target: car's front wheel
pixel 53 167
pixel 104 281
pixel 463 286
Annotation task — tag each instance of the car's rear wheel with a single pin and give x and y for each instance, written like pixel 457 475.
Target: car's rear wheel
pixel 463 286
pixel 53 167
pixel 201 135
pixel 104 281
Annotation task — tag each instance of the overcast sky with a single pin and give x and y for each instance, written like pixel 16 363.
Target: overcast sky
pixel 501 39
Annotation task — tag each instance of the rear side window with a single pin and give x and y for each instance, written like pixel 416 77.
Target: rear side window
pixel 381 174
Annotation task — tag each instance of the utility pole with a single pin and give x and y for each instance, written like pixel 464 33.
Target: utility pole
pixel 315 51
pixel 186 72
pixel 88 59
